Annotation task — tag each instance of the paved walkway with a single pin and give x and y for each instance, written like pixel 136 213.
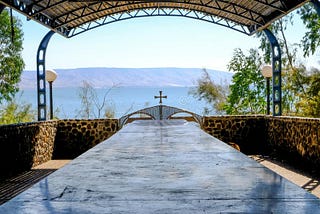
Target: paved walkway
pixel 17 184
pixel 301 179
pixel 163 167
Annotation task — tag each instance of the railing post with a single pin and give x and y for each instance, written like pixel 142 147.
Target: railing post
pixel 41 76
pixel 276 73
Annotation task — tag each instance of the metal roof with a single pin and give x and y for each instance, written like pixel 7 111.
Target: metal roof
pixel 72 17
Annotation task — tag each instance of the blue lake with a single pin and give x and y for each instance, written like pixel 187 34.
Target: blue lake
pixel 122 99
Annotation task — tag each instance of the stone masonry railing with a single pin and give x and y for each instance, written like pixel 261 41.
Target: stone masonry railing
pixel 23 146
pixel 74 137
pixel 296 139
pixel 291 138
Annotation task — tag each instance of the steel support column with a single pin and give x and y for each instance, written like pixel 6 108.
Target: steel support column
pixel 276 73
pixel 1 8
pixel 41 76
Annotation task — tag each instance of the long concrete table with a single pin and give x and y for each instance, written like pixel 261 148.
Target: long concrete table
pixel 163 167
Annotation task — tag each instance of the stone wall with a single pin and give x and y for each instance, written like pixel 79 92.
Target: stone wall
pixel 293 139
pixel 23 146
pixel 74 137
pixel 296 139
pixel 249 132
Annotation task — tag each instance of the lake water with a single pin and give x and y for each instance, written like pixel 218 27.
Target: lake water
pixel 122 99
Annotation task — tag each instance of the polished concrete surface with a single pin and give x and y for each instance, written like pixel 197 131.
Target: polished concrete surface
pixel 163 167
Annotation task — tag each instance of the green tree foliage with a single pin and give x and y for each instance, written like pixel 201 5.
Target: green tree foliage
pixel 311 40
pixel 91 105
pixel 278 28
pixel 300 88
pixel 297 96
pixel 288 56
pixel 247 91
pixel 306 85
pixel 11 62
pixel 14 112
pixel 211 92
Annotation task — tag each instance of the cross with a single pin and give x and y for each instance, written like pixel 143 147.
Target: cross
pixel 156 97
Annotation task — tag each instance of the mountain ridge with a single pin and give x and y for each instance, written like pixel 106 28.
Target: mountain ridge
pixel 108 76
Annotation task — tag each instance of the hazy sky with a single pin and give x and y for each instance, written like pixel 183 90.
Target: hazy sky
pixel 143 42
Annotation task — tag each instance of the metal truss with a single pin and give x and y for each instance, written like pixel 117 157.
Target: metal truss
pixel 160 112
pixel 184 8
pixel 31 12
pixel 174 12
pixel 63 16
pixel 71 17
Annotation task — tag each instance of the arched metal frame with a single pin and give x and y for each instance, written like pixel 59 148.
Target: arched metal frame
pixel 147 12
pixel 64 16
pixel 160 112
pixel 276 65
pixel 276 77
pixel 71 17
pixel 154 12
pixel 276 73
pixel 41 76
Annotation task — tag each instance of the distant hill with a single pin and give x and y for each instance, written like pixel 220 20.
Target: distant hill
pixel 106 77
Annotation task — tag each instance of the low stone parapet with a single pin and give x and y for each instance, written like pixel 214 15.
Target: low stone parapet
pixel 249 132
pixel 74 137
pixel 25 145
pixel 294 139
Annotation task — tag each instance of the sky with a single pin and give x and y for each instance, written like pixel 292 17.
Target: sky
pixel 143 43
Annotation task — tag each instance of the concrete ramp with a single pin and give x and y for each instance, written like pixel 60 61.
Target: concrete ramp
pixel 168 166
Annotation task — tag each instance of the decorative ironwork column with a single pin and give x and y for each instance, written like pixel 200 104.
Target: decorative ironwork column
pixel 276 73
pixel 41 76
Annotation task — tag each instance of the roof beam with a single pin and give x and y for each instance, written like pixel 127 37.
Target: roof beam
pixel 49 6
pixel 42 18
pixel 186 5
pixel 175 12
pixel 62 16
pixel 271 5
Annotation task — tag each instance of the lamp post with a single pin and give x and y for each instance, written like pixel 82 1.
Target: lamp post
pixel 51 76
pixel 267 73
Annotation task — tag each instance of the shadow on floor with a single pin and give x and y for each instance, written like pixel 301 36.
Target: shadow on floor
pixel 13 186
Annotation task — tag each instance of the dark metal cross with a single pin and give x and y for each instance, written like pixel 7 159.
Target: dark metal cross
pixel 157 97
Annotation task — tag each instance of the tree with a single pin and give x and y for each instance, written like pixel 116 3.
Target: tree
pixel 311 40
pixel 11 62
pixel 86 94
pixel 297 96
pixel 211 92
pixel 308 90
pixel 91 105
pixel 247 91
pixel 16 112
